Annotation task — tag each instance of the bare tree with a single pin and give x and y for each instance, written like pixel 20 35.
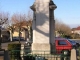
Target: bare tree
pixel 19 20
pixel 4 17
pixel 11 30
pixel 3 20
pixel 29 15
pixel 62 28
pixel 29 22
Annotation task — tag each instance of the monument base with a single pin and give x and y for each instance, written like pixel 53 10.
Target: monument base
pixel 41 48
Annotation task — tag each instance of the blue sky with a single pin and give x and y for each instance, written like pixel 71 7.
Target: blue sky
pixel 68 11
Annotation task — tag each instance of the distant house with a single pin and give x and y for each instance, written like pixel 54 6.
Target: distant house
pixel 57 34
pixel 5 34
pixel 76 30
pixel 24 33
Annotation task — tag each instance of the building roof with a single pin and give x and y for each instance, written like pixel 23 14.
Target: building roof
pixel 5 32
pixel 77 28
pixel 73 29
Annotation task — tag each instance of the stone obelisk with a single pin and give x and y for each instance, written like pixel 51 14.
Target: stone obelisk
pixel 43 26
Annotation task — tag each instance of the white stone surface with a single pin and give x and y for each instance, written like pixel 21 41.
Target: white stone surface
pixel 42 23
pixel 41 48
pixel 42 1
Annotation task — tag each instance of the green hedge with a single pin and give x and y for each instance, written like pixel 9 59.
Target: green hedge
pixel 29 57
pixel 14 50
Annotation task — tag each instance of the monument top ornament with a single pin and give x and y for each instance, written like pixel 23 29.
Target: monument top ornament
pixel 33 7
pixel 51 4
pixel 40 1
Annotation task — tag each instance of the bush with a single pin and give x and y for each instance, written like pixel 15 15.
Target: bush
pixel 14 50
pixel 29 57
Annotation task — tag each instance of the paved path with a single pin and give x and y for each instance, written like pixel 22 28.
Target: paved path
pixel 4 55
pixel 1 57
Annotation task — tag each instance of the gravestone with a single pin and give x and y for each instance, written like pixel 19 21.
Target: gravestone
pixel 43 26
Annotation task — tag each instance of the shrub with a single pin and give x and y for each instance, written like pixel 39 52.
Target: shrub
pixel 14 50
pixel 29 57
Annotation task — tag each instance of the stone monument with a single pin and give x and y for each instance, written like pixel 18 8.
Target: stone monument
pixel 43 26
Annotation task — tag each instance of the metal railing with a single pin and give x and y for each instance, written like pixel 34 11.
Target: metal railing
pixel 29 55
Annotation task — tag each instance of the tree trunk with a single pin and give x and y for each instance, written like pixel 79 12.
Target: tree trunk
pixel 19 34
pixel 11 36
pixel 0 39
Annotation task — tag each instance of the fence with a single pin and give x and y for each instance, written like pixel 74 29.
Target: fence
pixel 28 55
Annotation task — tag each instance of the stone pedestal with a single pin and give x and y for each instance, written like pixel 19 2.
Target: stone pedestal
pixel 43 26
pixel 41 48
